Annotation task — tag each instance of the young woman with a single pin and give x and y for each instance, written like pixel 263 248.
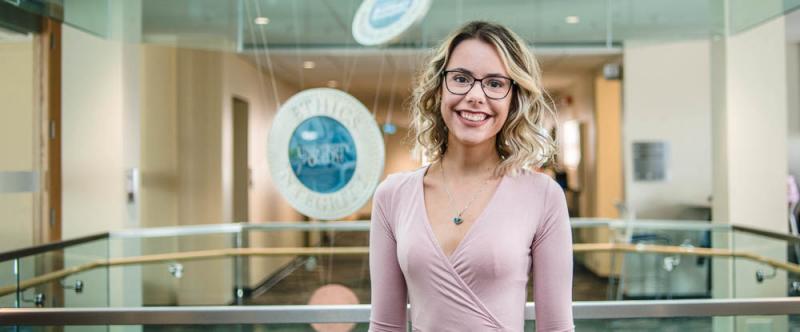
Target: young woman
pixel 459 237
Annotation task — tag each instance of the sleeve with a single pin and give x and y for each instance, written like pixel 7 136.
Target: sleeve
pixel 388 285
pixel 552 264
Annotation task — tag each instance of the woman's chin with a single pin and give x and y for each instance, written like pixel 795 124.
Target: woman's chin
pixel 472 140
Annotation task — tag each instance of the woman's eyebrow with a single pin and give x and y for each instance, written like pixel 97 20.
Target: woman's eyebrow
pixel 464 70
pixel 473 74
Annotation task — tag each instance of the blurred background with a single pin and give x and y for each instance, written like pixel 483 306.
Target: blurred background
pixel 139 130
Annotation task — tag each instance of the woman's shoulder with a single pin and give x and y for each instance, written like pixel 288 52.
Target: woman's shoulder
pixel 398 181
pixel 533 180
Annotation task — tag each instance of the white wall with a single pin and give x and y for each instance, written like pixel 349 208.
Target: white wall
pixel 750 101
pixel 17 137
pixel 96 112
pixel 159 165
pixel 667 91
pixel 92 134
pixel 793 92
pixel 756 104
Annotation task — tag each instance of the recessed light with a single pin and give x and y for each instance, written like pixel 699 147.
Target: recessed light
pixel 309 64
pixel 261 20
pixel 572 19
pixel 333 84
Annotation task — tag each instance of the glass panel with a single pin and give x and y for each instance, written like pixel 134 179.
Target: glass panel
pixel 663 275
pixel 747 14
pixel 294 279
pixel 86 287
pixel 793 256
pixel 171 279
pixel 603 275
pixel 8 282
pixel 738 323
pixel 90 15
pixel 758 279
pixel 642 324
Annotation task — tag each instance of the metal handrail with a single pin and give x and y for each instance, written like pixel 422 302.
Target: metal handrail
pixel 360 225
pixel 363 225
pixel 770 234
pixel 40 249
pixel 305 251
pixel 298 314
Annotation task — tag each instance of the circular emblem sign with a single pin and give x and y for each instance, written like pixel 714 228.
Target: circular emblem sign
pixel 380 21
pixel 325 153
pixel 322 154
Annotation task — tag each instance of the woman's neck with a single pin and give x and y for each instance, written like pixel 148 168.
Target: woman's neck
pixel 476 160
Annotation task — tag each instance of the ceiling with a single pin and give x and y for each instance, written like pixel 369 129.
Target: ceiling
pixel 230 24
pixel 327 23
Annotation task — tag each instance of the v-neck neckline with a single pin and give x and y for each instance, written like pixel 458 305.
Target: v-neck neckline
pixel 475 223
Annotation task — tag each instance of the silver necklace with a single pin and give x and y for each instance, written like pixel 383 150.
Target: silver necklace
pixel 457 219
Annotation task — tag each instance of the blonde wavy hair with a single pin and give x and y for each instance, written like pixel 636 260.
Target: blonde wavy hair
pixel 523 141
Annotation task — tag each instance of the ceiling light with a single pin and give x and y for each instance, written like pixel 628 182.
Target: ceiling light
pixel 261 20
pixel 572 19
pixel 309 64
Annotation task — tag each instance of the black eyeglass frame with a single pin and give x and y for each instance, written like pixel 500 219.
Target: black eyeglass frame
pixel 475 79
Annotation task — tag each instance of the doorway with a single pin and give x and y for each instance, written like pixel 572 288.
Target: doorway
pixel 241 168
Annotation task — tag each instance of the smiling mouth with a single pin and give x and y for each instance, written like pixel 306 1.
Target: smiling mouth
pixel 473 116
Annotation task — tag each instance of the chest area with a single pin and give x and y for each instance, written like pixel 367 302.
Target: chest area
pixel 495 244
pixel 450 218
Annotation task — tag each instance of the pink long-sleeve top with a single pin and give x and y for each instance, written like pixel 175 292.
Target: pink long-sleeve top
pixel 482 285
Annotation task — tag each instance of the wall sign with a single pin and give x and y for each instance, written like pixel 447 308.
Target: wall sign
pixel 325 153
pixel 650 161
pixel 380 21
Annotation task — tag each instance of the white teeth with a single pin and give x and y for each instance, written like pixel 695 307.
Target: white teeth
pixel 473 116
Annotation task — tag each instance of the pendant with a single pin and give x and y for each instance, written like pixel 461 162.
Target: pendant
pixel 457 220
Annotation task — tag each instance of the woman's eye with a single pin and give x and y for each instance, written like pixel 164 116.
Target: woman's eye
pixel 496 84
pixel 460 79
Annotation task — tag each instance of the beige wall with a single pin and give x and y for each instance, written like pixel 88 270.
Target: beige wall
pixel 159 165
pixel 92 127
pixel 667 91
pixel 750 102
pixel 243 80
pixel 187 165
pixel 756 145
pixel 756 130
pixel 94 159
pixel 17 137
pixel 793 86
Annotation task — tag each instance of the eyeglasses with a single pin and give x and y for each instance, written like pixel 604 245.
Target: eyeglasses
pixel 494 87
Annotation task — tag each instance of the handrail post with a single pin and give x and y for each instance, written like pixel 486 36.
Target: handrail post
pixel 240 267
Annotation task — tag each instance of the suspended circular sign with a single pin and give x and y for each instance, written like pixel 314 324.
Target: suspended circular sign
pixel 381 21
pixel 325 153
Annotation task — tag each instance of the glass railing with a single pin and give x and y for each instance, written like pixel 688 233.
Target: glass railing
pixel 285 263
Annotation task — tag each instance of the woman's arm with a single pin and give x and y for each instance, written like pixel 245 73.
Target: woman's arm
pixel 388 285
pixel 552 264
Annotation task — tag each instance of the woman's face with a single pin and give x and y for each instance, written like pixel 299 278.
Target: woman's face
pixel 473 118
